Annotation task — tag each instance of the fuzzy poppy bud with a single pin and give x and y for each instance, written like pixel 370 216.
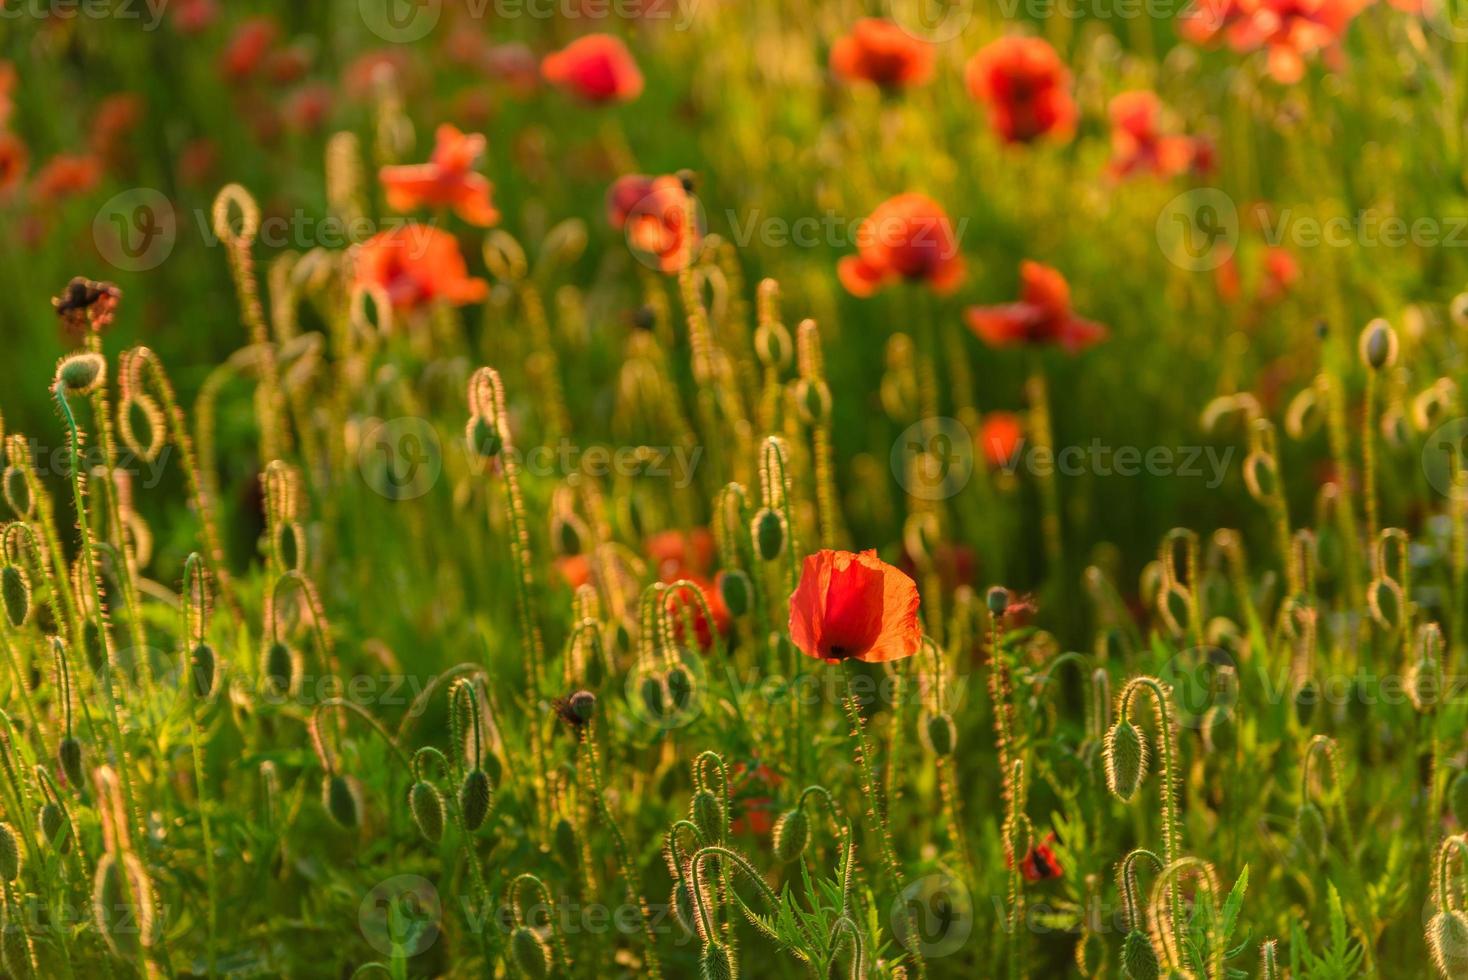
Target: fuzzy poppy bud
pixel 15 588
pixel 18 492
pixel 582 705
pixel 81 374
pixel 708 815
pixel 425 802
pixel 1378 345
pixel 280 667
pixel 1447 938
pixel 69 758
pixel 1458 798
pixel 475 796
pixel 682 902
pixel 565 839
pixel 16 951
pixel 654 695
pixel 941 734
pixel 94 647
pixel 997 601
pixel 9 853
pixel 769 534
pixel 531 954
pixel 55 829
pixel 736 591
pixel 1126 759
pixel 717 962
pixel 1310 832
pixel 1306 698
pixel 680 688
pixel 203 668
pixel 122 904
pixel 484 437
pixel 792 833
pixel 567 536
pixel 340 798
pixel 1139 958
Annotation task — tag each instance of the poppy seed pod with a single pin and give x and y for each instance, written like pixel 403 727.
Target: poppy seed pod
pixel 736 591
pixel 707 812
pixel 475 796
pixel 1139 958
pixel 769 534
pixel 1126 760
pixel 717 962
pixel 1447 937
pixel 9 853
pixel 341 800
pixel 1458 798
pixel 15 588
pixel 531 954
pixel 69 758
pixel 81 374
pixel 425 802
pixel 1378 345
pixel 792 833
pixel 940 733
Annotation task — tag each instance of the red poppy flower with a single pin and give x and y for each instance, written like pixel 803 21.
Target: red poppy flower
pixel 1138 141
pixel 854 607
pixel 677 554
pixel 1042 315
pixel 8 79
pixel 194 16
pixel 752 786
pixel 116 116
pixel 575 569
pixel 418 265
pixel 448 179
pixel 248 47
pixel 598 68
pixel 907 237
pixel 680 603
pixel 999 438
pixel 1281 272
pixel 658 216
pixel 1026 87
pixel 1289 30
pixel 1041 864
pixel 65 175
pixel 880 52
pixel 14 159
pixel 196 161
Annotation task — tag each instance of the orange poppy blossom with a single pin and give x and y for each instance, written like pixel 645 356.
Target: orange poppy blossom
pixel 1139 143
pixel 907 237
pixel 14 159
pixel 999 438
pixel 854 606
pixel 1041 316
pixel 417 265
pixel 880 52
pixel 448 179
pixel 658 215
pixel 597 68
pixel 1026 88
pixel 1289 30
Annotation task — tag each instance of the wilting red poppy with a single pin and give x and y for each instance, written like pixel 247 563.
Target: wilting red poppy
pixel 999 438
pixel 907 237
pixel 852 606
pixel 418 265
pixel 248 47
pixel 65 175
pixel 678 554
pixel 1026 87
pixel 880 52
pixel 1139 143
pixel 1042 315
pixel 658 216
pixel 1041 864
pixel 14 159
pixel 1290 30
pixel 597 68
pixel 448 179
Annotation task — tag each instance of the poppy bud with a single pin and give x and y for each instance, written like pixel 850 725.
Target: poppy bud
pixel 682 902
pixel 769 534
pixel 654 696
pixel 94 646
pixel 583 705
pixel 81 374
pixel 680 688
pixel 1139 958
pixel 736 591
pixel 1378 345
pixel 54 828
pixel 18 492
pixel 998 601
pixel 1177 608
pixel 340 798
pixel 484 438
pixel 288 543
pixel 202 670
pixel 122 904
pixel 280 667
pixel 15 588
pixel 9 853
pixel 475 796
pixel 1447 937
pixel 1126 760
pixel 1307 697
pixel 792 833
pixel 1458 798
pixel 69 757
pixel 717 962
pixel 15 950
pixel 941 734
pixel 566 847
pixel 708 815
pixel 532 955
pixel 426 804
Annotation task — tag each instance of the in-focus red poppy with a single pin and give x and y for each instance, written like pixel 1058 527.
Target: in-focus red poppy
pixel 14 159
pixel 1041 864
pixel 418 265
pixel 66 175
pixel 999 438
pixel 851 606
pixel 880 52
pixel 679 554
pixel 597 68
pixel 1289 30
pixel 1026 87
pixel 248 47
pixel 1139 141
pixel 448 179
pixel 1042 315
pixel 659 217
pixel 907 237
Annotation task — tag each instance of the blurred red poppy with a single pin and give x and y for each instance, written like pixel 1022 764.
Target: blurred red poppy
pixel 852 606
pixel 8 79
pixel 448 179
pixel 65 175
pixel 658 215
pixel 752 786
pixel 1139 143
pixel 248 47
pixel 308 107
pixel 1041 864
pixel 1281 272
pixel 679 603
pixel 116 116
pixel 1026 87
pixel 999 438
pixel 880 52
pixel 14 159
pixel 418 265
pixel 194 16
pixel 1289 30
pixel 679 554
pixel 907 237
pixel 1042 315
pixel 598 68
